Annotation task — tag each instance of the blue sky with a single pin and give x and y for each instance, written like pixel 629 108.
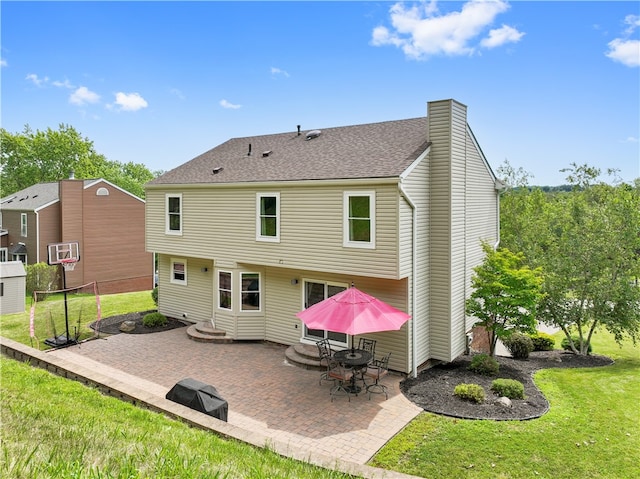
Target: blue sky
pixel 546 83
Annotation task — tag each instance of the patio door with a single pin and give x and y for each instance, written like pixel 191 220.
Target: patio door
pixel 314 292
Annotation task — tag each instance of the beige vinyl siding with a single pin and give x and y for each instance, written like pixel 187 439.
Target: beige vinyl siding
pixel 416 184
pixel 459 216
pixel 219 222
pixel 195 299
pixel 284 300
pixel 439 118
pixel 482 211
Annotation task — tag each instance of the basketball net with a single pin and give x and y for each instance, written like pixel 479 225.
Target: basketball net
pixel 68 263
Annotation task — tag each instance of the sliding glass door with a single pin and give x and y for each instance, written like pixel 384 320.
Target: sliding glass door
pixel 314 292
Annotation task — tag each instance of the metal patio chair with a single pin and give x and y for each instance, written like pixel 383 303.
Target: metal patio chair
pixel 378 369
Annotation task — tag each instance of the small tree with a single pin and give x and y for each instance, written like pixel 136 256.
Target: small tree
pixel 505 294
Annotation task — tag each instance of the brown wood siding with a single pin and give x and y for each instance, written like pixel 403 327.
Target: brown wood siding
pixel 113 240
pixel 49 227
pixel 71 225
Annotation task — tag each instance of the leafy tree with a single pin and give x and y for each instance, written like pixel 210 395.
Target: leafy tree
pixel 587 241
pixel 505 294
pixel 29 157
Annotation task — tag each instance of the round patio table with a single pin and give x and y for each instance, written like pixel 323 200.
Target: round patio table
pixel 354 359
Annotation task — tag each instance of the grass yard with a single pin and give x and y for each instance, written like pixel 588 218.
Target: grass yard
pixel 54 427
pixel 57 428
pixel 80 307
pixel 592 430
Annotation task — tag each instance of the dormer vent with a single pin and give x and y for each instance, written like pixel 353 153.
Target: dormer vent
pixel 266 153
pixel 313 134
pixel 217 170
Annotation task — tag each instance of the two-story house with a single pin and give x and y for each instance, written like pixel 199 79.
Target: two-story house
pixel 258 228
pixel 105 220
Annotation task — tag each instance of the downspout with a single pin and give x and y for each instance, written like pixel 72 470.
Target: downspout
pixel 500 187
pixel 414 249
pixel 37 237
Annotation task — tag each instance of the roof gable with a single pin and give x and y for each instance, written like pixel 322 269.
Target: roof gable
pixel 375 150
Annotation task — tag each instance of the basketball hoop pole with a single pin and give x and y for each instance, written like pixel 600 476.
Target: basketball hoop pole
pixel 66 310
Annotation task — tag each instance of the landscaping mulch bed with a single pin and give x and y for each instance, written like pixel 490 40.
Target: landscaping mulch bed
pixel 111 325
pixel 433 389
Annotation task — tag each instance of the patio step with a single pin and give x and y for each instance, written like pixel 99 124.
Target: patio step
pixel 304 356
pixel 204 332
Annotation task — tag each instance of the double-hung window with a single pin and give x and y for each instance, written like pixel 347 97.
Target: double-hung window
pixel 173 208
pixel 268 217
pixel 250 291
pixel 179 271
pixel 23 225
pixel 359 223
pixel 224 290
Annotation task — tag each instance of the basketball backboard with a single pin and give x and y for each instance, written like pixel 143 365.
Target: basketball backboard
pixel 63 253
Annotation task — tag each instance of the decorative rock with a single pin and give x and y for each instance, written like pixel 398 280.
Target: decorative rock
pixel 127 326
pixel 503 401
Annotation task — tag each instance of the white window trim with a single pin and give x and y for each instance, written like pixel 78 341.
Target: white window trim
pixel 23 225
pixel 259 236
pixel 242 310
pixel 346 242
pixel 172 279
pixel 230 308
pixel 167 230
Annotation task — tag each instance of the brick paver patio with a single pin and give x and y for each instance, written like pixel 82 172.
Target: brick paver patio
pixel 265 393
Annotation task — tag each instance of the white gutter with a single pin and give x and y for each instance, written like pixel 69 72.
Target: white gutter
pixel 414 248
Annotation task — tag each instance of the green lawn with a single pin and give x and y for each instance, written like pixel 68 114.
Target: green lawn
pixel 592 430
pixel 80 309
pixel 53 427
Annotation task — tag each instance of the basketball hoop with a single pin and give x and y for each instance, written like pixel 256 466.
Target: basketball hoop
pixel 68 263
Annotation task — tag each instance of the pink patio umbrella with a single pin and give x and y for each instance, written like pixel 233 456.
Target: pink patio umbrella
pixel 353 312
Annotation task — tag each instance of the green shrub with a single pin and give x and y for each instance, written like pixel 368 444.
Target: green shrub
pixel 154 295
pixel 153 320
pixel 41 277
pixel 470 392
pixel 508 387
pixel 484 364
pixel 542 341
pixel 519 345
pixel 576 343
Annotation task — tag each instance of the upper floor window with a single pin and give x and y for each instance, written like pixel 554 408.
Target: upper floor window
pixel 359 219
pixel 179 271
pixel 268 217
pixel 3 254
pixel 23 225
pixel 173 214
pixel 224 290
pixel 250 294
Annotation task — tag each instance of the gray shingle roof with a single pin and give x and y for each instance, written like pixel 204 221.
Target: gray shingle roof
pixel 31 198
pixel 375 150
pixel 34 196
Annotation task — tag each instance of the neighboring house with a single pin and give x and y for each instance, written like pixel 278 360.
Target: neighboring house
pixel 12 287
pixel 258 228
pixel 106 221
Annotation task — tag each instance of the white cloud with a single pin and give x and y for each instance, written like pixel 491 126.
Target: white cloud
pixel 276 71
pixel 228 105
pixel 421 32
pixel 631 139
pixel 83 95
pixel 37 81
pixel 3 63
pixel 130 101
pixel 500 36
pixel 63 84
pixel 624 49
